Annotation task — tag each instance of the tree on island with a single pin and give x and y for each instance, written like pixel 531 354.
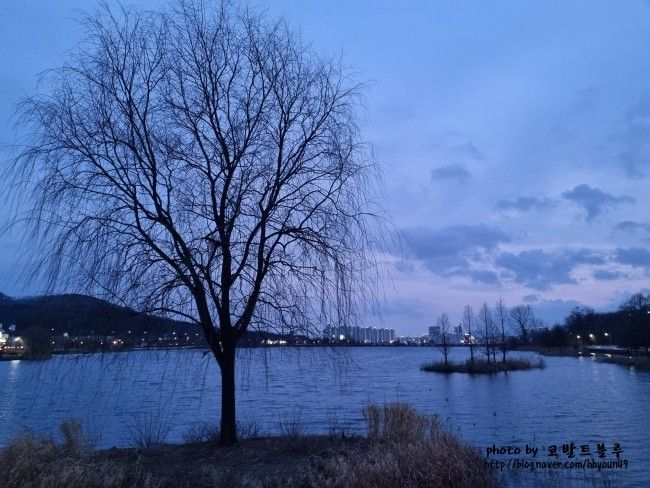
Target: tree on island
pixel 487 326
pixel 502 319
pixel 445 337
pixel 468 322
pixel 201 163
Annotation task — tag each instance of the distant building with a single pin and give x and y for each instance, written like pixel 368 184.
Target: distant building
pixel 362 335
pixel 435 334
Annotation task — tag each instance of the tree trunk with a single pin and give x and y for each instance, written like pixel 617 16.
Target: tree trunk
pixel 228 433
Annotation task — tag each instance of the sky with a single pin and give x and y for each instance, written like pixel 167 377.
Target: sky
pixel 514 139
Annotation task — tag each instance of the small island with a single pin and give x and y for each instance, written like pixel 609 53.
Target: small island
pixel 482 366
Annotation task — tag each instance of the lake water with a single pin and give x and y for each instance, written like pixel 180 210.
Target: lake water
pixel 572 400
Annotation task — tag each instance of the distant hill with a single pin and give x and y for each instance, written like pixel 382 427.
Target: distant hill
pixel 80 315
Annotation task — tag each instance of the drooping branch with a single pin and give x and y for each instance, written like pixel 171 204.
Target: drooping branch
pixel 204 164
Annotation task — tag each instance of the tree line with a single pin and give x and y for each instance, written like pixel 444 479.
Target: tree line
pixel 627 327
pixel 492 331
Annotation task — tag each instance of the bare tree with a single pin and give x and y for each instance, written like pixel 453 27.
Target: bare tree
pixel 523 317
pixel 487 324
pixel 445 336
pixel 201 162
pixel 468 322
pixel 503 320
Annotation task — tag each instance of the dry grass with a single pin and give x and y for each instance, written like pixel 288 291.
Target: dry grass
pixel 404 448
pixel 408 449
pixel 481 366
pixel 37 461
pixel 440 461
pixel 201 432
pixel 398 422
pixel 148 430
pixel 290 424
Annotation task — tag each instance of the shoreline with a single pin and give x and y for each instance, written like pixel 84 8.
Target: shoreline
pixel 403 447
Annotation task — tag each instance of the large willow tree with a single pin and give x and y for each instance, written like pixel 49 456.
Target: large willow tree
pixel 200 162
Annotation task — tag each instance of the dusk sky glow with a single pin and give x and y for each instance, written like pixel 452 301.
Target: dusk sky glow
pixel 514 138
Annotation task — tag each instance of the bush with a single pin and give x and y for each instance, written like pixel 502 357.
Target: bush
pixel 147 430
pixel 398 422
pixel 201 432
pixel 248 430
pixel 290 424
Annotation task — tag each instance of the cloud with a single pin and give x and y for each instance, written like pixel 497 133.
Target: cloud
pixel 484 276
pixel 554 311
pixel 605 275
pixel 404 307
pixel 467 150
pixel 455 150
pixel 541 270
pixel 453 172
pixel 634 256
pixel 594 200
pixel 524 204
pixel 637 229
pixel 634 139
pixel 531 298
pixel 455 156
pixel 551 311
pixel 427 242
pixel 454 250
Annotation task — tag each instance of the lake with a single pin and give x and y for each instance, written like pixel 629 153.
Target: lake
pixel 572 400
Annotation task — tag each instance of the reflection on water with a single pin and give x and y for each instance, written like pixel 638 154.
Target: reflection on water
pixel 572 400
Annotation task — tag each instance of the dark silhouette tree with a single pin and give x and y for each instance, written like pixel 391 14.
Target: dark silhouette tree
pixel 523 318
pixel 468 323
pixel 38 341
pixel 445 337
pixel 487 325
pixel 503 322
pixel 203 163
pixel 636 318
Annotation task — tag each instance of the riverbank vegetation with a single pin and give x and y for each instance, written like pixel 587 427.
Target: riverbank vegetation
pixel 402 448
pixel 482 366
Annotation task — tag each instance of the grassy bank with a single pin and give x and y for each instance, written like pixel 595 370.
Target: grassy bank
pixel 402 448
pixel 481 366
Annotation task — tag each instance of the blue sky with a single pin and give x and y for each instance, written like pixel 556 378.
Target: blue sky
pixel 514 137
